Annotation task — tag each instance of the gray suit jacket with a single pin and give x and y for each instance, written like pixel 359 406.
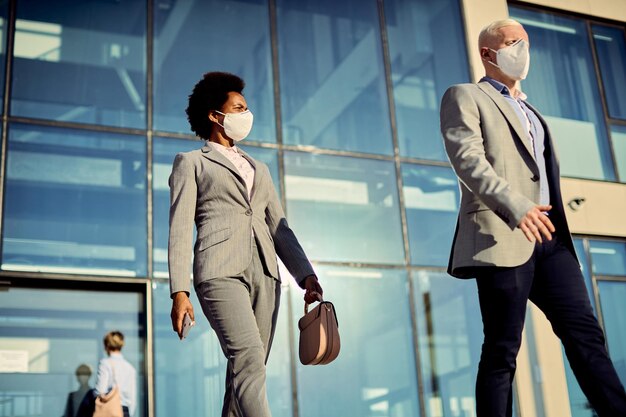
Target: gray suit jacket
pixel 206 188
pixel 499 178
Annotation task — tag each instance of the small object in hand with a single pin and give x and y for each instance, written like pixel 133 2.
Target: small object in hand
pixel 187 325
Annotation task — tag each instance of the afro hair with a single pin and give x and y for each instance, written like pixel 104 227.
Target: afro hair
pixel 210 93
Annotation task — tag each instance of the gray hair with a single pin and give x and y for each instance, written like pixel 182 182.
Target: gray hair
pixel 491 30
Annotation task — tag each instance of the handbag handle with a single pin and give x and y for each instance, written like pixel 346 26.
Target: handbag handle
pixel 306 305
pixel 306 309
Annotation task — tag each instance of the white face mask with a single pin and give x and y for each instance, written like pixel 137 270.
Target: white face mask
pixel 237 125
pixel 513 60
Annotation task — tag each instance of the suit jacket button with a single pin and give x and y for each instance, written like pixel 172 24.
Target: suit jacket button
pixel 249 212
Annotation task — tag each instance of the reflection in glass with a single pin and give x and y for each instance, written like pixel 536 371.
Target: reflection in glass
pixel 608 258
pixel 344 208
pixel 189 375
pixel 431 197
pixel 450 337
pixel 80 61
pixel 212 35
pixel 612 296
pixel 618 137
pixel 562 85
pixel 611 48
pixel 375 370
pixel 332 76
pixel 75 202
pixel 165 149
pixel 427 53
pixel 45 334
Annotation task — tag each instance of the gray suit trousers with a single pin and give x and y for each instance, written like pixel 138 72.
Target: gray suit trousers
pixel 242 310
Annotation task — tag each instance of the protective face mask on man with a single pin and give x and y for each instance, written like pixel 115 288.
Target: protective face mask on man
pixel 513 60
pixel 237 125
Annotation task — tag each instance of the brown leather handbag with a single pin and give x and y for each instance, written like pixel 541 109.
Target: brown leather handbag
pixel 319 334
pixel 109 405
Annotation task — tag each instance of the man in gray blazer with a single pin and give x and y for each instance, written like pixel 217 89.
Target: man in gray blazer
pixel 241 228
pixel 511 232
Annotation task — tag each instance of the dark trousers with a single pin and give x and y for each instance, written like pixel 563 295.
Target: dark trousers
pixel 125 411
pixel 553 281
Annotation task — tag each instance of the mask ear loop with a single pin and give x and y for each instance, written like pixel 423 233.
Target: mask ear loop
pixel 218 123
pixel 488 60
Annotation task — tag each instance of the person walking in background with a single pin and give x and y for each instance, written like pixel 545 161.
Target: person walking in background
pixel 115 370
pixel 512 234
pixel 241 228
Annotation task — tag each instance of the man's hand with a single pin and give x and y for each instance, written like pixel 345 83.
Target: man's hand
pixel 313 289
pixel 180 306
pixel 535 223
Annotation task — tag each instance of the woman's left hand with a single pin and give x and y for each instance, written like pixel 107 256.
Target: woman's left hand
pixel 313 289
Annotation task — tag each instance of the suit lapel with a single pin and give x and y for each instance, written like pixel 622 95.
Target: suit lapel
pixel 257 175
pixel 508 113
pixel 548 136
pixel 218 158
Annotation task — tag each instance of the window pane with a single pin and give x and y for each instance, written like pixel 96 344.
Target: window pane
pixel 562 85
pixel 80 61
pixel 189 374
pixel 75 202
pixel 611 48
pixel 375 370
pixel 45 334
pixel 332 76
pixel 164 151
pixel 612 296
pixel 608 258
pixel 618 136
pixel 343 208
pixel 427 51
pixel 578 402
pixel 3 33
pixel 450 336
pixel 431 197
pixel 207 36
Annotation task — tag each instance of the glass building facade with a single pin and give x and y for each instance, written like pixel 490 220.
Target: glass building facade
pixel 346 102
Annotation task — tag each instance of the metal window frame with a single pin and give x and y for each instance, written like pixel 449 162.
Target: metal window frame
pixel 588 21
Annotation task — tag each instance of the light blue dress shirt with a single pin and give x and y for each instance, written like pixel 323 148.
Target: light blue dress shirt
pixel 536 134
pixel 115 370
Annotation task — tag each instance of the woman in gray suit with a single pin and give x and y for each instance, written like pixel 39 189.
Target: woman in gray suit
pixel 241 228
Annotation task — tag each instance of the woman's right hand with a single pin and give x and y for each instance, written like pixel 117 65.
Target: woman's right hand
pixel 180 306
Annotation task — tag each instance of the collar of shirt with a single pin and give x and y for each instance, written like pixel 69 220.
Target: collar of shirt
pixel 503 89
pixel 221 148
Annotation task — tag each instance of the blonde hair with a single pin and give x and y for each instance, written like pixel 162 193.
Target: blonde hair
pixel 491 30
pixel 113 340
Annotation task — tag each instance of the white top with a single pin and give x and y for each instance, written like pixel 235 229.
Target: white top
pixel 244 167
pixel 117 370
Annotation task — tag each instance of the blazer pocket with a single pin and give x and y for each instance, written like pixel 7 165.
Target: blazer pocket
pixel 477 210
pixel 214 238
